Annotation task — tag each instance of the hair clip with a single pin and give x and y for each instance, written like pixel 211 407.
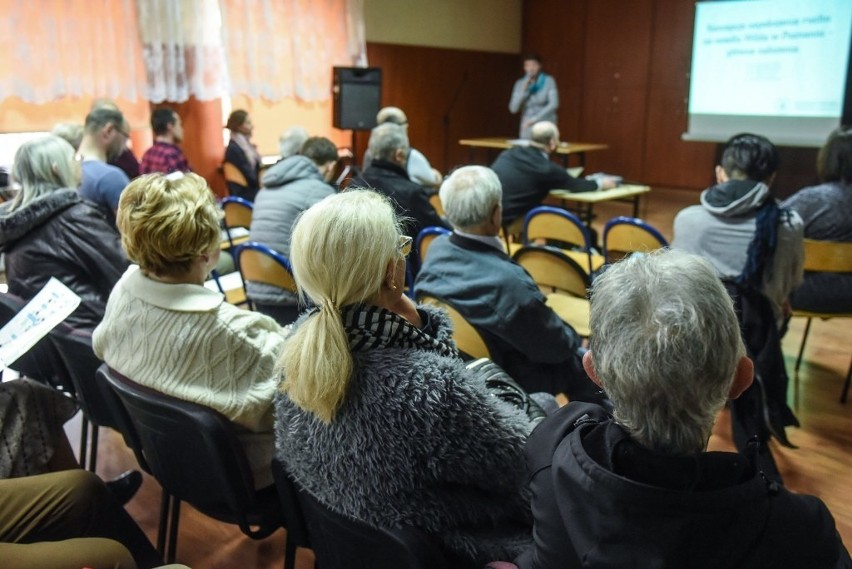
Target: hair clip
pixel 174 176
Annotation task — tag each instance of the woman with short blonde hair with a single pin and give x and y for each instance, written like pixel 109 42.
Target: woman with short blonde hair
pixel 378 417
pixel 165 330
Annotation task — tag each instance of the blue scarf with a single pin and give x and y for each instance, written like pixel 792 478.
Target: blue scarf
pixel 538 85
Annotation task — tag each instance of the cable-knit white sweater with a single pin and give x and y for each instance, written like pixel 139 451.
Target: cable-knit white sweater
pixel 185 341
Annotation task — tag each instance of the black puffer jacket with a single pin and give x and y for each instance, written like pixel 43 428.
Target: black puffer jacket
pixel 602 501
pixel 61 235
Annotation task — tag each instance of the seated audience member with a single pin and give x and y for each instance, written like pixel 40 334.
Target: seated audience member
pixel 48 230
pixel 827 214
pixel 640 489
pixel 418 168
pixel 289 187
pixel 471 271
pixel 124 159
pixel 68 520
pixel 70 133
pixel 32 437
pixel 165 156
pixel 103 137
pixel 756 247
pixel 242 154
pixel 165 330
pixel 291 141
pixel 376 399
pixel 739 227
pixel 527 174
pixel 389 148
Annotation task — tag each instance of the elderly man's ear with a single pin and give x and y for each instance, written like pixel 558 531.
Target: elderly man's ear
pixel 743 375
pixel 589 366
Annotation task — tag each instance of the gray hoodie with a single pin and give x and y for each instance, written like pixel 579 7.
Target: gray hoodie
pixel 289 187
pixel 722 227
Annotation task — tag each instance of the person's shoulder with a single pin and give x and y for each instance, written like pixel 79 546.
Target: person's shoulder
pixel 809 519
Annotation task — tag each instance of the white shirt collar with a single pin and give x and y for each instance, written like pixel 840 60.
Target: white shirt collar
pixel 177 297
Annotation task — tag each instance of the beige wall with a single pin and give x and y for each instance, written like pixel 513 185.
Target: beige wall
pixel 484 25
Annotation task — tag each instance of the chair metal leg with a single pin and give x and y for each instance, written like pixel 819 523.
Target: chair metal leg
pixel 846 384
pixel 802 347
pixel 84 440
pixel 93 451
pixel 173 530
pixel 290 553
pixel 165 505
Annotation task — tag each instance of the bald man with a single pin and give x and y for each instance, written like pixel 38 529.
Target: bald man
pixel 527 174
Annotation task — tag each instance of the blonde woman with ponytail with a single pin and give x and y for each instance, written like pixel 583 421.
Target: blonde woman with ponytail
pixel 377 416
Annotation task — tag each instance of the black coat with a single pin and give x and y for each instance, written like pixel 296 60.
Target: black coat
pixel 63 236
pixel 601 500
pixel 235 155
pixel 410 199
pixel 527 176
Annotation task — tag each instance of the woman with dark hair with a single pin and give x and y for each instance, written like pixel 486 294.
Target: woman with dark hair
pixel 242 154
pixel 740 228
pixel 827 212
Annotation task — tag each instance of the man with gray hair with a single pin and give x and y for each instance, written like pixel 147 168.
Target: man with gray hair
pixel 386 174
pixel 417 166
pixel 471 271
pixel 291 141
pixel 527 173
pixel 104 137
pixel 639 488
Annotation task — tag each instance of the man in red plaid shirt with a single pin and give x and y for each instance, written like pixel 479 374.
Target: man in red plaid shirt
pixel 165 156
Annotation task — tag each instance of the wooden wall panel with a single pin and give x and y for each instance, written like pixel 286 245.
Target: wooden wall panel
pixel 615 79
pixel 668 160
pixel 555 29
pixel 423 81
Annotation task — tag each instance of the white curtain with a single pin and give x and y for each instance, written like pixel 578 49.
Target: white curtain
pixel 170 50
pixel 182 49
pixel 70 48
pixel 280 49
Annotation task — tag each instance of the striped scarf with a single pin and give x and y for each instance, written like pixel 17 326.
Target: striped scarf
pixel 371 327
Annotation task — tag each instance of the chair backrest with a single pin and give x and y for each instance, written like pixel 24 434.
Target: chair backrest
pixel 555 224
pixel 828 256
pixel 467 338
pixel 108 398
pixel 238 212
pixel 425 238
pixel 435 200
pixel 342 542
pixel 75 349
pixel 42 362
pixel 261 264
pixel 194 454
pixel 550 267
pixel 625 235
pixel 233 175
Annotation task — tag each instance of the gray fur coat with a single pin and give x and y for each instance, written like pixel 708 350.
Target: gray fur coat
pixel 420 442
